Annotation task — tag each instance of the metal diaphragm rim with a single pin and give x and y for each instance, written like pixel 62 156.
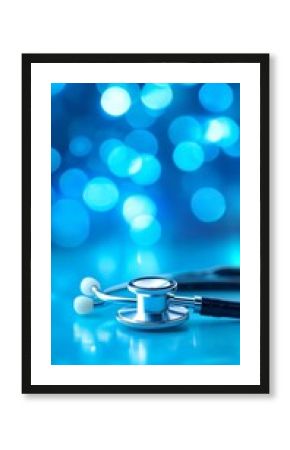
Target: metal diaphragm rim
pixel 173 317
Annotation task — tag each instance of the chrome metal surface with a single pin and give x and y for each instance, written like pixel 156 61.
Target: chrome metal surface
pixel 152 285
pixel 174 316
pixel 104 297
pixel 190 302
pixel 155 302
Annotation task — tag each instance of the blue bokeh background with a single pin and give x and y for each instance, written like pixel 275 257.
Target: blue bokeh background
pixel 145 180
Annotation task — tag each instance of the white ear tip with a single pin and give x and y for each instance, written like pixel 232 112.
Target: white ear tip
pixel 87 284
pixel 83 305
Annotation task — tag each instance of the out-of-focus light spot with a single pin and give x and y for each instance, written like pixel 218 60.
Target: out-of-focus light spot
pixel 70 223
pixel 132 88
pixel 55 159
pixel 147 262
pixel 145 230
pixel 56 88
pixel 139 117
pixel 123 161
pixel 184 128
pixel 72 182
pixel 80 146
pixel 107 147
pixel 208 204
pixel 211 152
pixel 188 156
pixel 100 194
pixel 232 150
pixel 156 96
pixel 216 97
pixel 106 264
pixel 223 131
pixel 143 141
pixel 115 101
pixel 215 131
pixel 137 205
pixel 149 171
pixel 102 87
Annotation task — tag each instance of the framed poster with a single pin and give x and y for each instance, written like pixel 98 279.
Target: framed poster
pixel 145 223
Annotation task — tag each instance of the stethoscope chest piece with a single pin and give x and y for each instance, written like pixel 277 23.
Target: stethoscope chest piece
pixel 173 317
pixel 154 305
pixel 152 309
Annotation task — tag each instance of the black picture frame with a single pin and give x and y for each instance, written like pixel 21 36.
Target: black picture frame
pixel 263 61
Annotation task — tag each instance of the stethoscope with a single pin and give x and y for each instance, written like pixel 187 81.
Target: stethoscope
pixel 155 306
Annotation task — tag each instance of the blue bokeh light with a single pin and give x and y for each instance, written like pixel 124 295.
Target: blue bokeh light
pixel 137 205
pixel 149 170
pixel 147 262
pixel 107 147
pixel 102 87
pixel 143 141
pixel 100 194
pixel 80 146
pixel 188 156
pixel 184 128
pixel 216 97
pixel 106 264
pixel 115 101
pixel 55 159
pixel 123 161
pixel 70 223
pixel 145 230
pixel 138 116
pixel 56 88
pixel 223 131
pixel 211 152
pixel 72 182
pixel 132 88
pixel 232 150
pixel 156 96
pixel 208 204
pixel 134 238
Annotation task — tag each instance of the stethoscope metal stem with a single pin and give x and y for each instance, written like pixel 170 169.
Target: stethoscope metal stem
pixel 190 302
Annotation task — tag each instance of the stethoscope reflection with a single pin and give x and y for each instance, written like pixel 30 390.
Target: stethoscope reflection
pixel 85 337
pixel 118 345
pixel 105 340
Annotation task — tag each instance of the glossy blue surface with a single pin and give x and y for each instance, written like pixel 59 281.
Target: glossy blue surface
pixel 100 339
pixel 127 163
